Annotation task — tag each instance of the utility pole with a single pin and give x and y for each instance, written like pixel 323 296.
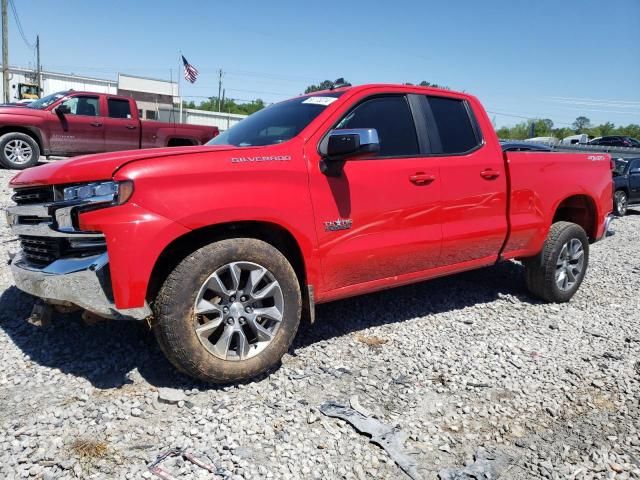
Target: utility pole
pixel 219 85
pixel 222 103
pixel 5 52
pixel 38 68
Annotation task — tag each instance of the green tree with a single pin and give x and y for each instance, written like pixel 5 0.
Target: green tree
pixel 324 85
pixel 229 105
pixel 424 83
pixel 581 124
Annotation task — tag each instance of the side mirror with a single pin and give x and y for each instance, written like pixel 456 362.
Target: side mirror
pixel 62 110
pixel 341 144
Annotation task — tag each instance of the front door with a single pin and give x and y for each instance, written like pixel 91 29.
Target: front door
pixel 380 218
pixel 79 131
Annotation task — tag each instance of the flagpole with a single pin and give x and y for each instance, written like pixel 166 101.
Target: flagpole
pixel 179 84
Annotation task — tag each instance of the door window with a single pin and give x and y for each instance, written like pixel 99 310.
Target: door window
pixel 81 105
pixel 455 126
pixel 392 118
pixel 119 108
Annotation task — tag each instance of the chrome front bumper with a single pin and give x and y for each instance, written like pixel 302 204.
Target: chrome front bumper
pixel 83 282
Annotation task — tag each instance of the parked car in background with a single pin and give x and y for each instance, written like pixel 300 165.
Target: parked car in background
pixel 76 123
pixel 626 179
pixel 225 247
pixel 615 141
pixel 516 146
pixel 579 139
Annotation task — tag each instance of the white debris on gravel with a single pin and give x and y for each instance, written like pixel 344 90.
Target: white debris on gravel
pixel 462 364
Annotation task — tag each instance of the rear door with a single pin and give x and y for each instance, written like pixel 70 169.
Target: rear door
pixel 474 183
pixel 79 131
pixel 122 127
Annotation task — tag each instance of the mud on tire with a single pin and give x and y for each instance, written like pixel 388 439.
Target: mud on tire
pixel 210 276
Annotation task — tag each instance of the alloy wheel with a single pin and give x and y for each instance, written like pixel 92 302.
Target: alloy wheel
pixel 238 311
pixel 570 264
pixel 18 151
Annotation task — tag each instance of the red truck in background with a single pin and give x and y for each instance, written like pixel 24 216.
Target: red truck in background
pixel 77 123
pixel 224 248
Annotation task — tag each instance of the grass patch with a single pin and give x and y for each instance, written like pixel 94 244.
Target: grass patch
pixel 89 448
pixel 371 340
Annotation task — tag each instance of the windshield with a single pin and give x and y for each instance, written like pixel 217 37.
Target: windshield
pixel 44 102
pixel 277 123
pixel 620 166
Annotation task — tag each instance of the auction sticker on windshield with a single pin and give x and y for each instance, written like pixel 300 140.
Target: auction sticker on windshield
pixel 320 100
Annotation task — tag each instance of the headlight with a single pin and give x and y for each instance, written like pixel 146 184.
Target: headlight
pixel 100 192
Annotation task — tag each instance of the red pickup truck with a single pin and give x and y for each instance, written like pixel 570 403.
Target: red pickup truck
pixel 224 248
pixel 76 123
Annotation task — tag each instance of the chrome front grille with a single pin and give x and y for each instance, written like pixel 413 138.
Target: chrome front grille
pixel 30 195
pixel 41 251
pixel 43 225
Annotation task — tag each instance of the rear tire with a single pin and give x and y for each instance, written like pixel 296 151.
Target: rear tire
pixel 18 151
pixel 555 274
pixel 620 203
pixel 213 320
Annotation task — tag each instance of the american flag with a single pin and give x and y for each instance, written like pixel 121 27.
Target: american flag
pixel 190 72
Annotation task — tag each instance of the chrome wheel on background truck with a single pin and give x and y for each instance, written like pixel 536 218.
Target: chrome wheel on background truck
pixel 620 203
pixel 18 151
pixel 229 311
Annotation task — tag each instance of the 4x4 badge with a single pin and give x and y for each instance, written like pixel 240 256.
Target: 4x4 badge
pixel 340 224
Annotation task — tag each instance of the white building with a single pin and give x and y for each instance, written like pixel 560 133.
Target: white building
pixel 156 99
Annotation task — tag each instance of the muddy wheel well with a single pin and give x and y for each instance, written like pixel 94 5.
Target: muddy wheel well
pixel 26 131
pixel 180 142
pixel 581 210
pixel 273 234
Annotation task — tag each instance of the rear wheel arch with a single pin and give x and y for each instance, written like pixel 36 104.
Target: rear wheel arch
pixel 581 210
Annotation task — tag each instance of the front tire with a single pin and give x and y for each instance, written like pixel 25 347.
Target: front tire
pixel 229 311
pixel 620 203
pixel 555 274
pixel 18 151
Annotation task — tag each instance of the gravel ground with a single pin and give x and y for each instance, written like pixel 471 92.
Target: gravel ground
pixel 467 365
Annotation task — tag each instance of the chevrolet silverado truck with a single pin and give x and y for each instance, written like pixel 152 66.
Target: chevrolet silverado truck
pixel 74 123
pixel 224 248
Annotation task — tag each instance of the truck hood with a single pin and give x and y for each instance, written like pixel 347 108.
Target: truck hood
pixel 102 166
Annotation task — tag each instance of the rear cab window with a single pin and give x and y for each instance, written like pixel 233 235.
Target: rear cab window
pixel 452 127
pixel 119 108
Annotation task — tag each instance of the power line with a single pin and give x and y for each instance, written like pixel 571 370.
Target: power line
pixel 32 46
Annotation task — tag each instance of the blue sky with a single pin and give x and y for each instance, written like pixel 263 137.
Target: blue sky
pixel 536 58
